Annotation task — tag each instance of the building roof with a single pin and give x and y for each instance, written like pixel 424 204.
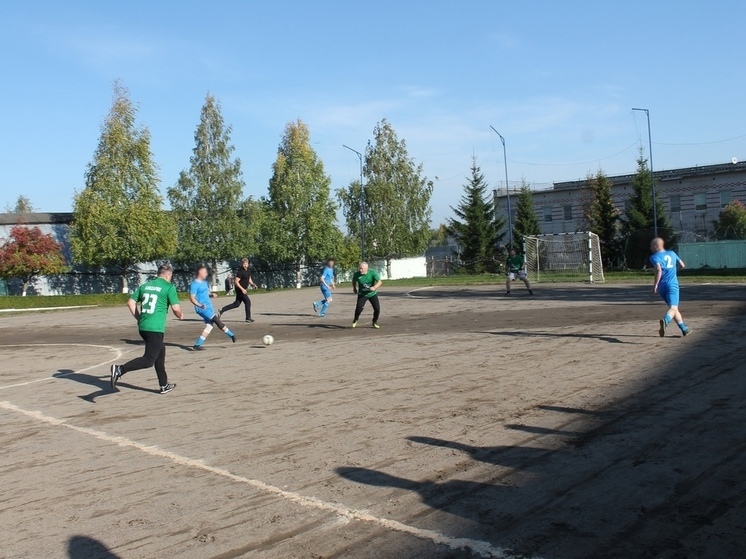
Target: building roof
pixel 665 175
pixel 61 218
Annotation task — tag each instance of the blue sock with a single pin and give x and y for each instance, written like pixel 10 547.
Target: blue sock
pixel 324 307
pixel 667 319
pixel 228 332
pixel 318 303
pixel 200 341
pixel 683 327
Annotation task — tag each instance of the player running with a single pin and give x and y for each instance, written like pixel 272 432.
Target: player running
pixel 200 295
pixel 242 282
pixel 515 267
pixel 666 264
pixel 326 284
pixel 365 283
pixel 149 305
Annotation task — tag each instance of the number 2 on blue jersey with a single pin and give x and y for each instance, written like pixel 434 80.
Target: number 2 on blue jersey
pixel 669 261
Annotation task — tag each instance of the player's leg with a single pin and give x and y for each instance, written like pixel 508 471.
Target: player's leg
pixel 376 304
pixel 672 301
pixel 160 368
pixel 205 332
pixel 217 322
pixel 145 362
pixel 673 297
pixel 234 305
pixel 247 306
pixel 508 280
pixel 524 277
pixel 325 301
pixel 358 309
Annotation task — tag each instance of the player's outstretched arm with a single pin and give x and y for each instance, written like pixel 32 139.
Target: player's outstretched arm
pixel 176 309
pixel 658 274
pixel 132 306
pixel 193 301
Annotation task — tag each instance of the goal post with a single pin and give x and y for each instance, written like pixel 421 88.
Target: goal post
pixel 564 257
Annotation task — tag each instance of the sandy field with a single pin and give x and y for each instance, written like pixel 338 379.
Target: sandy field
pixel 471 425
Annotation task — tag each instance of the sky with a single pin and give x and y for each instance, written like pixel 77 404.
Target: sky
pixel 557 79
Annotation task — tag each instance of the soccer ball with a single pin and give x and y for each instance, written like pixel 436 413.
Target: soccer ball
pixel 268 340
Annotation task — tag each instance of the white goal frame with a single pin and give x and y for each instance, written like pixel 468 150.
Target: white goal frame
pixel 566 256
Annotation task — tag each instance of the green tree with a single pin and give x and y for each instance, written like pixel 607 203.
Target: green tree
pixel 638 222
pixel 602 217
pixel 23 205
pixel 29 253
pixel 731 223
pixel 397 200
pixel 118 218
pixel 300 216
pixel 475 227
pixel 207 200
pixel 526 223
pixel 439 236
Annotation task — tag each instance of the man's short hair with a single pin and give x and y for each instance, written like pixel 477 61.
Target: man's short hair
pixel 165 267
pixel 244 261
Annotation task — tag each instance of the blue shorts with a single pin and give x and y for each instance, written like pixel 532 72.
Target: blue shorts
pixel 205 314
pixel 670 294
pixel 326 292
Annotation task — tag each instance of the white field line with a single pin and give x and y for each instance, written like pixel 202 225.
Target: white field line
pixel 409 293
pixel 118 353
pixel 35 309
pixel 481 548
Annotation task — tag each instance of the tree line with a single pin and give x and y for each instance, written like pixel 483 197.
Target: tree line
pixel 119 218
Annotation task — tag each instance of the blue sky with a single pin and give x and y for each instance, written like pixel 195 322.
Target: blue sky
pixel 557 79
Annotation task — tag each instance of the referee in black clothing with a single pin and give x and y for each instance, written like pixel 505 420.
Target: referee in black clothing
pixel 242 282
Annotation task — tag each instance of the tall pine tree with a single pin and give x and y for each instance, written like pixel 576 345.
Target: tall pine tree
pixel 475 227
pixel 300 219
pixel 207 201
pixel 118 219
pixel 526 222
pixel 637 223
pixel 602 218
pixel 397 199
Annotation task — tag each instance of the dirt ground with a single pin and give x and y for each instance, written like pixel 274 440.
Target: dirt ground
pixel 471 425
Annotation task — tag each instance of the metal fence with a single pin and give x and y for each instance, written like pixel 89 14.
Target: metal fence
pixel 716 254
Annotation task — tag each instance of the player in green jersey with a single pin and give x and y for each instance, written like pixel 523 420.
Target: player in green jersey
pixel 365 283
pixel 149 305
pixel 515 268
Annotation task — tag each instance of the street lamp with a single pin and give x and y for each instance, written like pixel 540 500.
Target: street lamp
pixel 507 188
pixel 652 179
pixel 362 201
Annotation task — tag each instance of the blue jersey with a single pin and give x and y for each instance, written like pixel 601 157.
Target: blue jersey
pixel 668 260
pixel 328 276
pixel 201 291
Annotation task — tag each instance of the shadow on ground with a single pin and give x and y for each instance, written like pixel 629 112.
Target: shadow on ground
pixel 660 474
pixel 84 547
pixel 102 384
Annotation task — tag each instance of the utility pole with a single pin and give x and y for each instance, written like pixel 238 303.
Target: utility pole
pixel 362 202
pixel 507 189
pixel 652 179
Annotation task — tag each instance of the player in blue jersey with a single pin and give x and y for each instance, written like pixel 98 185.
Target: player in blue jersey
pixel 666 264
pixel 326 283
pixel 200 295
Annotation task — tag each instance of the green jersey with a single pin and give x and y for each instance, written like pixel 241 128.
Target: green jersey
pixel 365 282
pixel 515 263
pixel 154 297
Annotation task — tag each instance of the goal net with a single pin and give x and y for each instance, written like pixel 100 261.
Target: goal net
pixel 564 257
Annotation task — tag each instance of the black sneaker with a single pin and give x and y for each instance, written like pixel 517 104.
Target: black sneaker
pixel 233 338
pixel 219 313
pixel 662 328
pixel 168 388
pixel 116 373
pixel 507 293
pixel 250 320
pixel 530 292
pixel 198 348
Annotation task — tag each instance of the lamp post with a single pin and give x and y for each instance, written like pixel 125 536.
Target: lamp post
pixel 652 179
pixel 507 188
pixel 362 202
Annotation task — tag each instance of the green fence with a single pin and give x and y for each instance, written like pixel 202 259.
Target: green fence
pixel 718 254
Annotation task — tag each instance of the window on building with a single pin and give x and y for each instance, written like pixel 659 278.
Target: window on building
pixel 675 202
pixel 548 213
pixel 726 197
pixel 567 211
pixel 700 201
